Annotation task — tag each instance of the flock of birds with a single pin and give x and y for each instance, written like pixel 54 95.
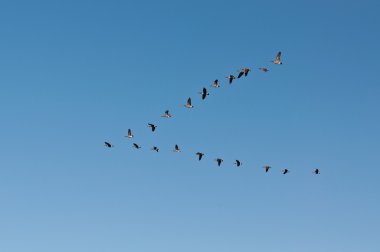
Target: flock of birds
pixel 204 93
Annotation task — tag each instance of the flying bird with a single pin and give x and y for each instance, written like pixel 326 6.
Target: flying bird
pixel 285 171
pixel 244 71
pixel 188 105
pixel 135 145
pixel 317 172
pixel 130 135
pixel 204 93
pixel 167 114
pixel 277 61
pixel 107 144
pixel 238 163
pixel 264 69
pixel 219 161
pixel 216 84
pixel 176 148
pixel 200 155
pixel 266 168
pixel 155 148
pixel 152 126
pixel 230 78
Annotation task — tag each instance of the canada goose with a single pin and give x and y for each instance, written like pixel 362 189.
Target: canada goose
pixel 244 71
pixel 285 171
pixel 176 148
pixel 241 72
pixel 155 148
pixel 204 93
pixel 200 155
pixel 264 69
pixel 238 163
pixel 130 135
pixel 316 171
pixel 167 114
pixel 107 144
pixel 135 145
pixel 152 126
pixel 230 78
pixel 277 61
pixel 219 161
pixel 188 105
pixel 266 168
pixel 216 84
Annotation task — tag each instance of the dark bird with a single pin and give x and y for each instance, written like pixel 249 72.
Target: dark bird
pixel 176 148
pixel 266 168
pixel 155 148
pixel 167 114
pixel 107 144
pixel 204 93
pixel 244 71
pixel 238 163
pixel 216 84
pixel 219 161
pixel 241 72
pixel 285 171
pixel 277 61
pixel 264 69
pixel 130 135
pixel 317 172
pixel 135 145
pixel 188 104
pixel 230 78
pixel 200 155
pixel 152 126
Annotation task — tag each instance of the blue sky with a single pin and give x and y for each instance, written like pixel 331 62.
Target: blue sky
pixel 74 74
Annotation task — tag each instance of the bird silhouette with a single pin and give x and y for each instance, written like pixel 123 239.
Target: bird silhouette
pixel 285 171
pixel 167 114
pixel 219 161
pixel 188 104
pixel 266 168
pixel 155 148
pixel 176 148
pixel 130 135
pixel 277 61
pixel 238 163
pixel 264 69
pixel 216 84
pixel 204 93
pixel 152 126
pixel 244 71
pixel 107 144
pixel 230 78
pixel 135 145
pixel 200 155
pixel 317 172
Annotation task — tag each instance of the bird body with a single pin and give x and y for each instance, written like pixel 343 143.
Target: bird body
pixel 135 145
pixel 216 84
pixel 266 168
pixel 200 155
pixel 167 114
pixel 243 71
pixel 204 93
pixel 176 148
pixel 317 172
pixel 238 163
pixel 130 135
pixel 219 161
pixel 285 171
pixel 155 148
pixel 277 61
pixel 264 69
pixel 152 126
pixel 230 78
pixel 188 104
pixel 107 144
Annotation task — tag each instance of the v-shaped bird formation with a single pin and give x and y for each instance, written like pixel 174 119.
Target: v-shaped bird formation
pixel 204 93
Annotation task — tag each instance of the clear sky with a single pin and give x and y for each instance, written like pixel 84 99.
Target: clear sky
pixel 74 74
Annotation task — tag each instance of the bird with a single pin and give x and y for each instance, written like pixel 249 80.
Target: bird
pixel 230 78
pixel 155 148
pixel 167 114
pixel 238 163
pixel 216 84
pixel 277 61
pixel 200 155
pixel 267 167
pixel 241 72
pixel 176 148
pixel 219 161
pixel 285 171
pixel 107 144
pixel 135 145
pixel 188 105
pixel 204 93
pixel 264 69
pixel 152 126
pixel 130 135
pixel 244 71
pixel 317 172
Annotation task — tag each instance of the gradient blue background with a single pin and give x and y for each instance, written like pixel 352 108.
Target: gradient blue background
pixel 74 74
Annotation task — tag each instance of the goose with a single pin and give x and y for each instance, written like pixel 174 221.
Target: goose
pixel 188 105
pixel 130 135
pixel 204 93
pixel 200 155
pixel 241 72
pixel 216 84
pixel 277 61
pixel 264 69
pixel 176 148
pixel 219 161
pixel 107 144
pixel 155 148
pixel 244 71
pixel 285 171
pixel 238 163
pixel 317 172
pixel 152 126
pixel 135 145
pixel 230 78
pixel 266 168
pixel 167 114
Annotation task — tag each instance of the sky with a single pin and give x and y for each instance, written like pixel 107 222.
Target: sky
pixel 74 74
